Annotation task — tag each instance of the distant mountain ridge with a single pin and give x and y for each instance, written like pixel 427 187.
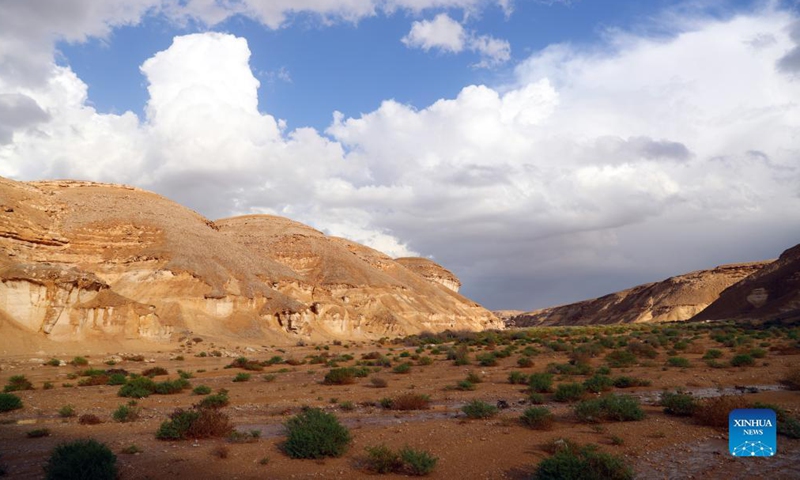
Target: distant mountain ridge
pixel 677 298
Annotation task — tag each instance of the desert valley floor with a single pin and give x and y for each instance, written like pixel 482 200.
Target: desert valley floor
pixel 282 381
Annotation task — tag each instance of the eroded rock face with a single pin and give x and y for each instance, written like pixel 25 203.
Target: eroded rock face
pixel 674 299
pixel 431 271
pixel 772 292
pixel 82 260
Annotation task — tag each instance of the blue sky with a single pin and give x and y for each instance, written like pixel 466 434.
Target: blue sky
pixel 545 151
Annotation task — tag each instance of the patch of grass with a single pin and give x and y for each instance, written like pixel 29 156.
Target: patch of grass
pixel 617 441
pixel 569 392
pixel 251 436
pixel 524 362
pixel 314 433
pixel 126 413
pixel 18 383
pixel 48 386
pixel 629 382
pixel 170 387
pixel 517 378
pixel 584 463
pixel 473 377
pixel 487 359
pixel 680 362
pixel 743 360
pixel 598 383
pixel 9 402
pixel 417 462
pixel 536 398
pixel 241 377
pixel 138 387
pixel 201 390
pixel 541 382
pixel 479 409
pixel 611 408
pixel 81 459
pixel 539 418
pixel 382 459
pixel 218 400
pixel 79 362
pixel 402 368
pixel 53 362
pixel 678 404
pixel 131 449
pixel 621 358
pixel 465 386
pixel 425 360
pixel 38 433
pixel 66 411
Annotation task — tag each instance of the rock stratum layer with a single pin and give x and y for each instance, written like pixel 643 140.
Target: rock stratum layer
pixel 771 293
pixel 674 299
pixel 82 261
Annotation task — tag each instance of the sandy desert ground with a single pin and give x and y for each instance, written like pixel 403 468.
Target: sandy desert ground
pixel 659 446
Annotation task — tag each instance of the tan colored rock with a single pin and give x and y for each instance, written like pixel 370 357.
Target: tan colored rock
pixel 771 293
pixel 674 299
pixel 87 261
pixel 431 271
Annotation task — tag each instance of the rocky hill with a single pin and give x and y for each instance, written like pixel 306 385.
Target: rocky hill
pixel 82 261
pixel 771 293
pixel 674 299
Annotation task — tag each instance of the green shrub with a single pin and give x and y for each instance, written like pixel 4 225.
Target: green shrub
pixel 479 409
pixel 126 413
pixel 315 434
pixel 628 382
pixel 17 383
pixel 598 383
pixel 517 378
pixel 678 362
pixel 201 390
pixel 465 386
pixel 742 360
pixel 53 362
pixel 138 387
pixel 712 354
pixel 488 359
pixel 9 401
pixel 459 356
pixel 539 418
pixel 81 459
pixel 585 463
pixel 473 377
pixel 425 360
pixel 252 365
pixel 117 379
pixel 38 433
pixel 536 398
pixel 621 358
pixel 170 387
pixel 402 368
pixel 615 408
pixel 678 404
pixel 131 449
pixel 79 362
pixel 48 386
pixel 378 382
pixel 541 382
pixel 382 459
pixel 340 376
pixel 418 462
pixel 758 353
pixel 195 423
pixel 241 377
pixel 218 400
pixel 524 362
pixel 569 392
pixel 66 411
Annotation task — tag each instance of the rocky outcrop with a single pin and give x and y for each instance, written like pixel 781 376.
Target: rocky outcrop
pixel 431 271
pixel 83 260
pixel 771 293
pixel 674 299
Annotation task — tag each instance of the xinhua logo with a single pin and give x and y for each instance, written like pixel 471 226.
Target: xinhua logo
pixel 752 432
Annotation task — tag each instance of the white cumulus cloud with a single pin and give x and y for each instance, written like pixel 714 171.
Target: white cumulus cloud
pixel 447 35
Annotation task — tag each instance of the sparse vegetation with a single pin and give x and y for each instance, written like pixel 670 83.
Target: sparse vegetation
pixel 81 459
pixel 609 408
pixel 18 383
pixel 195 423
pixel 479 409
pixel 569 392
pixel 678 404
pixel 584 463
pixel 9 402
pixel 539 418
pixel 314 433
pixel 126 413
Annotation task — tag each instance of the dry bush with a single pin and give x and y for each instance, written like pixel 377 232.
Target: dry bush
pixel 714 412
pixel 792 379
pixel 221 451
pixel 411 401
pixel 89 419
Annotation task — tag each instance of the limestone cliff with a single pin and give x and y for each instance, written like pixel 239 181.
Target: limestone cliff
pixel 83 260
pixel 674 299
pixel 431 271
pixel 772 292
